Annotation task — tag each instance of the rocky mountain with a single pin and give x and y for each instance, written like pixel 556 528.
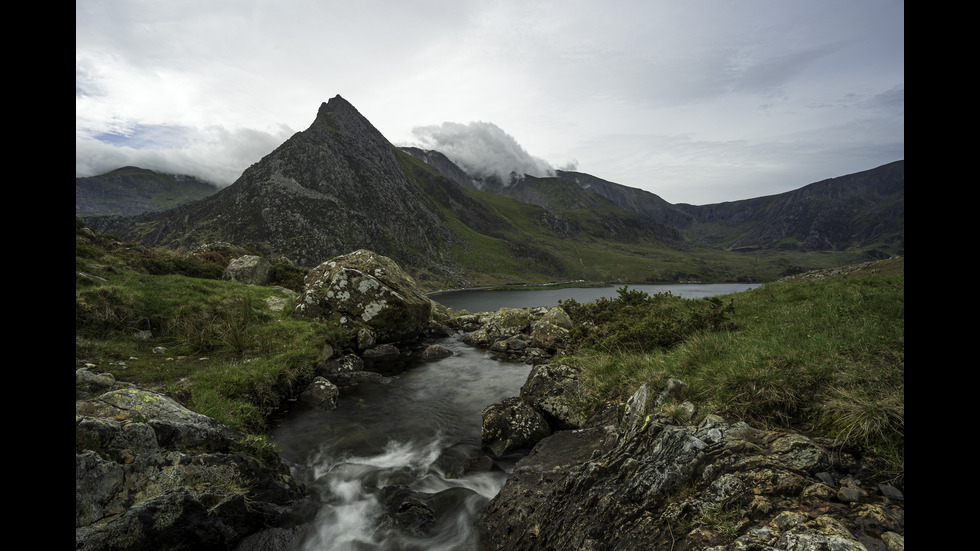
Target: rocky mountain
pixel 132 190
pixel 340 186
pixel 335 187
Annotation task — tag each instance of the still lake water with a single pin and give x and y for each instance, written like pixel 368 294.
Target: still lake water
pixel 476 300
pixel 413 432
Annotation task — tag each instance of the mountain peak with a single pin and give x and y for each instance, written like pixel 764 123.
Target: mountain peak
pixel 339 115
pixel 334 104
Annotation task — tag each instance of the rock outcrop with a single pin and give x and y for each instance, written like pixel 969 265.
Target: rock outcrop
pixel 646 483
pixel 151 474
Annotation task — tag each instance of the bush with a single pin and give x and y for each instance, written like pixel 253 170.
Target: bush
pixel 636 321
pixel 189 266
pixel 288 276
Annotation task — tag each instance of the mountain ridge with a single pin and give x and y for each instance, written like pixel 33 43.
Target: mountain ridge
pixel 828 215
pixel 340 185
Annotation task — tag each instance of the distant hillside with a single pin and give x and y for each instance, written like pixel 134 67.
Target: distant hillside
pixel 863 210
pixel 132 190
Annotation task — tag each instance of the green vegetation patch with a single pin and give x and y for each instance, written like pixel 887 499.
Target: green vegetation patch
pixel 825 357
pixel 217 347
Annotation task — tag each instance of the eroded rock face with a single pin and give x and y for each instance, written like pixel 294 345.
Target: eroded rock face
pixel 647 484
pixel 366 291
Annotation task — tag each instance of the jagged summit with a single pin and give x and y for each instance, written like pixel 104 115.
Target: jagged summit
pixel 339 115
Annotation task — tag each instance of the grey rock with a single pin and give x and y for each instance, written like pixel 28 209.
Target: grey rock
pixel 321 393
pixel 553 390
pixel 381 351
pixel 435 352
pixel 512 425
pixel 368 294
pixel 151 474
pixel 633 485
pixel 248 269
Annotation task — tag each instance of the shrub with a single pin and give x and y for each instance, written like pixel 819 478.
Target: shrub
pixel 288 276
pixel 636 321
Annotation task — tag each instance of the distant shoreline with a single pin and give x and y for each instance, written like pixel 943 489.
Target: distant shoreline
pixel 527 287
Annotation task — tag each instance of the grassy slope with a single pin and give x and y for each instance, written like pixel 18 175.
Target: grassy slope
pixel 824 356
pixel 227 354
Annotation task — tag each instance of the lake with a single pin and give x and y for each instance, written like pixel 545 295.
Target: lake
pixel 485 300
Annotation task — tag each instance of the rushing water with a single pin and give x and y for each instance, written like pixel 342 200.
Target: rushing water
pixel 413 432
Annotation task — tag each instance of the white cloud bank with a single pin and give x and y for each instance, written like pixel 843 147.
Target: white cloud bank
pixel 482 149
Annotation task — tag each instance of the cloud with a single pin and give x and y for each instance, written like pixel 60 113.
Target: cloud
pixel 482 149
pixel 214 154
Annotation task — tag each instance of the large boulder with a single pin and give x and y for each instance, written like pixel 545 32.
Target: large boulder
pixel 507 322
pixel 554 390
pixel 550 332
pixel 366 291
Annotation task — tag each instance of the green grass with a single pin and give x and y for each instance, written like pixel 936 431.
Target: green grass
pixel 826 357
pixel 227 354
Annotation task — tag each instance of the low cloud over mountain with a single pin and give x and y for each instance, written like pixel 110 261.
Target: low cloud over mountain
pixel 482 149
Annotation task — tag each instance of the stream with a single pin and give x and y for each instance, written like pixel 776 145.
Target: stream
pixel 413 432
pixel 411 435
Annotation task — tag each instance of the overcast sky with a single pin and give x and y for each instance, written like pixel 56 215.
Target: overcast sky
pixel 698 101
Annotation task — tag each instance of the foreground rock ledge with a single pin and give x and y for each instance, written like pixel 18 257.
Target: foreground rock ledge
pixel 151 474
pixel 650 484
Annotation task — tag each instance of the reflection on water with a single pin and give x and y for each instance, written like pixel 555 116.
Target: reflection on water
pixel 407 437
pixel 487 301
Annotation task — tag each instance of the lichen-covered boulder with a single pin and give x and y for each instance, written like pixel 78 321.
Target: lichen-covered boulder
pixel 364 290
pixel 557 316
pixel 152 474
pixel 321 393
pixel 172 423
pixel 507 322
